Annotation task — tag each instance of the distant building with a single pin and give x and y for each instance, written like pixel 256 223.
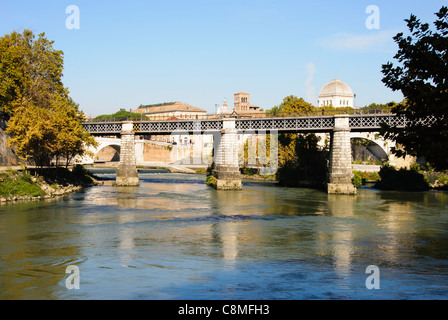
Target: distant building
pixel 224 110
pixel 169 110
pixel 242 104
pixel 336 93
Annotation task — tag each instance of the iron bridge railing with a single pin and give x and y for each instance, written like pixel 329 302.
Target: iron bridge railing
pixel 293 124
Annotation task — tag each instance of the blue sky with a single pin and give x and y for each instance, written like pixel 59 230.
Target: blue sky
pixel 127 53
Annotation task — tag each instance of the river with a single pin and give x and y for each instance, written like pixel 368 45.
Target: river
pixel 174 237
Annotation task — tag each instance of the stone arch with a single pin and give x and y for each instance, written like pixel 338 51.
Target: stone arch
pixel 378 147
pixel 103 142
pixel 108 153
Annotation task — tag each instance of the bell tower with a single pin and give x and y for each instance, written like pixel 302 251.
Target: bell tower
pixel 241 102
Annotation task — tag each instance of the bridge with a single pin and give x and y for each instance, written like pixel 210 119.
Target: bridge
pixel 225 131
pixel 356 123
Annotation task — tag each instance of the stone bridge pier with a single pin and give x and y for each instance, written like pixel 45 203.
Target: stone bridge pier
pixel 127 174
pixel 340 166
pixel 226 170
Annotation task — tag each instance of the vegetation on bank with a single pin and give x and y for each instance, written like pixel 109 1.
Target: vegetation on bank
pixel 361 178
pixel 417 178
pixel 301 161
pixel 211 181
pixel 43 122
pixel 42 182
pixel 121 115
pixel 254 173
pixel 18 184
pixel 402 179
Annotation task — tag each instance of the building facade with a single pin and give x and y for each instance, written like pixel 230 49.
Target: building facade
pixel 337 94
pixel 242 104
pixel 174 110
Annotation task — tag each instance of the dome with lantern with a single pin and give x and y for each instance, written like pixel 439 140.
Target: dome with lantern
pixel 337 94
pixel 224 109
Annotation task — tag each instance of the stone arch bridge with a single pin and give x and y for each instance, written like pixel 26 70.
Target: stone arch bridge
pixel 341 128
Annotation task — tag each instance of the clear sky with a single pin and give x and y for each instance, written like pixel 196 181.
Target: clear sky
pixel 127 53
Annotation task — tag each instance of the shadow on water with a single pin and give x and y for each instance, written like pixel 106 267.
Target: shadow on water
pixel 175 237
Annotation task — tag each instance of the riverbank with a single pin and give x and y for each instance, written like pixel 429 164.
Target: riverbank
pixel 35 184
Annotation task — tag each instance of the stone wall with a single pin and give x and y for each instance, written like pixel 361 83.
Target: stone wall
pixel 156 153
pixel 7 155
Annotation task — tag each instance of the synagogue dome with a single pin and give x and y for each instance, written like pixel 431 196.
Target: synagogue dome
pixel 336 88
pixel 337 94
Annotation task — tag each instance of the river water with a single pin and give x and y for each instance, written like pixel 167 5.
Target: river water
pixel 174 237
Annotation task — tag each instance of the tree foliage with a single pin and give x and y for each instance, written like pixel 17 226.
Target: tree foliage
pixel 299 154
pixel 421 74
pixel 44 122
pixel 30 69
pixel 54 133
pixel 121 116
pixel 380 106
pixel 293 106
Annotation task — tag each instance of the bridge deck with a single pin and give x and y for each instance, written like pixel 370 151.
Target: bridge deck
pixel 287 124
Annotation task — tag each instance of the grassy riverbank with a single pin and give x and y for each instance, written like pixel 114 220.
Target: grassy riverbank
pixel 45 183
pixel 417 178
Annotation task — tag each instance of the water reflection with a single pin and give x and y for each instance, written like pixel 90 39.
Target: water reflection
pixel 225 235
pixel 342 206
pixel 180 233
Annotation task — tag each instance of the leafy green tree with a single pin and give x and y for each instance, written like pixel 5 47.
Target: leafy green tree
pixel 296 106
pixel 299 154
pixel 32 133
pixel 44 122
pixel 292 106
pixel 421 74
pixel 330 110
pixel 71 138
pixel 379 106
pixel 31 71
pixel 273 112
pixel 43 134
pixel 121 116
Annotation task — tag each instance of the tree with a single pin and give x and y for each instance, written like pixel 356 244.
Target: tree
pixel 71 138
pixel 299 154
pixel 31 71
pixel 33 134
pixel 44 122
pixel 375 107
pixel 42 134
pixel 121 116
pixel 297 106
pixel 421 74
pixel 291 105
